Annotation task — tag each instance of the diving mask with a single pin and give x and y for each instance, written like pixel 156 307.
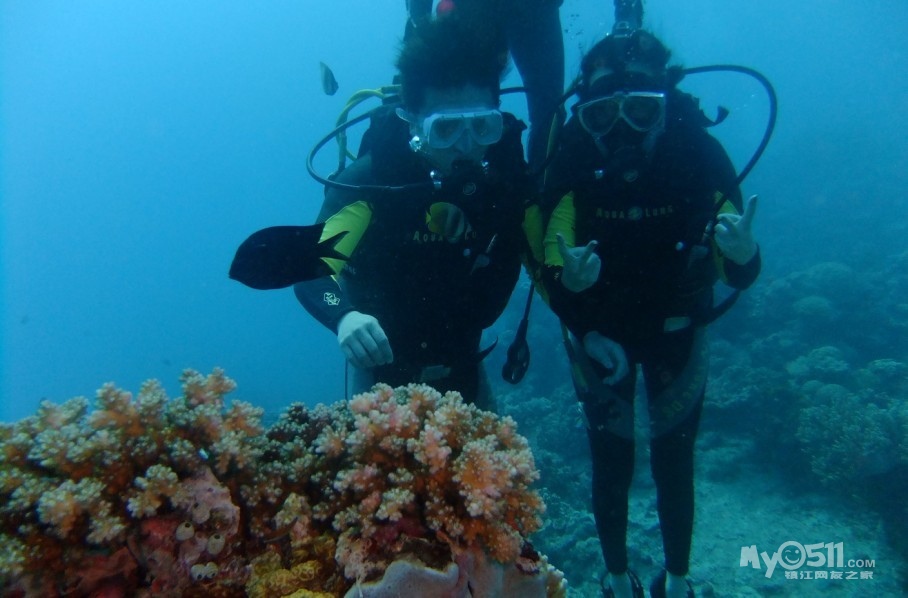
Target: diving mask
pixel 641 110
pixel 442 130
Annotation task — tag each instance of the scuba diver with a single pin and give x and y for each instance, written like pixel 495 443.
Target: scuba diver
pixel 426 225
pixel 531 31
pixel 645 216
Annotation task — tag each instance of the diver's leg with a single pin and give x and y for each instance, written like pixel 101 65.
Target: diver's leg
pixel 471 382
pixel 485 398
pixel 676 383
pixel 613 469
pixel 537 46
pixel 417 11
pixel 358 380
pixel 672 460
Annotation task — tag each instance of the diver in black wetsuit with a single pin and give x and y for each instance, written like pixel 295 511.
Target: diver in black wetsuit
pixel 644 219
pixel 531 31
pixel 430 266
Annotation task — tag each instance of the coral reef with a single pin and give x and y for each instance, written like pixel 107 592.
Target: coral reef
pixel 151 496
pixel 819 391
pixel 101 497
pixel 850 436
pixel 404 471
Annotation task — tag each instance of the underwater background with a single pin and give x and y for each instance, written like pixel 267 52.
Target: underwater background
pixel 140 142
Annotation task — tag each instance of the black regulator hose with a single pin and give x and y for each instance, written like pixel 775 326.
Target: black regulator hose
pixel 773 107
pixel 330 182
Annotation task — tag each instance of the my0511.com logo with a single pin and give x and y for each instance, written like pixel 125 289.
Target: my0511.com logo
pixel 809 561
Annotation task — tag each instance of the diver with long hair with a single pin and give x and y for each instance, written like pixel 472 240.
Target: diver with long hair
pixel 646 215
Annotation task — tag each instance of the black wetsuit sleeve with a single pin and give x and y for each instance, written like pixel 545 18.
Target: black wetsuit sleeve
pixel 741 276
pixel 342 211
pixel 324 300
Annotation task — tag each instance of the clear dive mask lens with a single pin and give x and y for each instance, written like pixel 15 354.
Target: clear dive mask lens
pixel 641 110
pixel 443 129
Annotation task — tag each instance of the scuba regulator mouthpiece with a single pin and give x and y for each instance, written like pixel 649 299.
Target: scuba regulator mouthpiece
pixel 416 144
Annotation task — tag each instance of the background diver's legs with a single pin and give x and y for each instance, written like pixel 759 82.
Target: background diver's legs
pixel 536 43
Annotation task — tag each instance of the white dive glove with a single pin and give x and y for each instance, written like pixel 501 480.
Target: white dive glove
pixel 581 265
pixel 609 353
pixel 734 236
pixel 363 341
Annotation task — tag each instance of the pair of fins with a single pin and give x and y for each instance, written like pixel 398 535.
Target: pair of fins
pixel 280 256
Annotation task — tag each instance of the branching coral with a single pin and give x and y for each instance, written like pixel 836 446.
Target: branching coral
pixel 77 482
pixel 488 466
pixel 408 464
pixel 150 496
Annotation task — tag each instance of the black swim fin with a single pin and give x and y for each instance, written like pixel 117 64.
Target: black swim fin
pixel 280 256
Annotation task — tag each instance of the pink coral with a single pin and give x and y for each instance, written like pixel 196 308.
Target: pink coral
pixel 204 500
pixel 447 448
pixel 410 471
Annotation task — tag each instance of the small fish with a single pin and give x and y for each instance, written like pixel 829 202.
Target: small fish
pixel 329 83
pixel 280 256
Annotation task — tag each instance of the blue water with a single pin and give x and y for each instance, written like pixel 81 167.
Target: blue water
pixel 142 141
